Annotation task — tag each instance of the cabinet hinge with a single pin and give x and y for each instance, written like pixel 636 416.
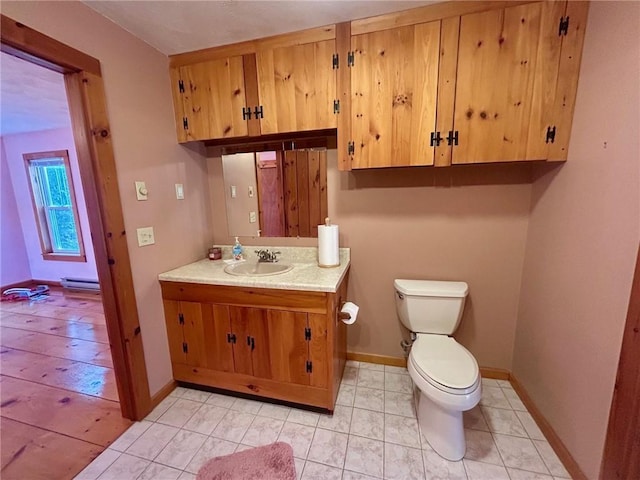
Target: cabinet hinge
pixel 551 134
pixel 181 318
pixel 335 61
pixel 185 347
pixel 258 112
pixel 231 337
pixel 307 334
pixel 246 113
pixel 435 139
pixel 452 138
pixel 309 366
pixel 336 106
pixel 185 123
pixel 181 86
pixel 351 148
pixel 563 28
pixel 351 59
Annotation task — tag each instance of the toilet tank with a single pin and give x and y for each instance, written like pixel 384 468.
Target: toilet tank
pixel 427 306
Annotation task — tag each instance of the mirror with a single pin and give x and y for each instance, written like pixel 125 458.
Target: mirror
pixel 276 193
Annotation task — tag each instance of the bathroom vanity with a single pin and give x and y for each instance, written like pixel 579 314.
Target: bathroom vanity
pixel 275 336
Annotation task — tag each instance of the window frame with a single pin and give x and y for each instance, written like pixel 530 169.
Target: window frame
pixel 42 223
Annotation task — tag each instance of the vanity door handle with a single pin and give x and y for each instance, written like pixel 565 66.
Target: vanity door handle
pixel 248 341
pixel 253 343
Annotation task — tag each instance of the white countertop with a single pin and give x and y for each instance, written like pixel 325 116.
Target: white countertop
pixel 305 275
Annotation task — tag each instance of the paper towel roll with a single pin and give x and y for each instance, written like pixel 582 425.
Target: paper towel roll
pixel 328 245
pixel 350 309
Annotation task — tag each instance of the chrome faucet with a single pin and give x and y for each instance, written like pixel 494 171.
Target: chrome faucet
pixel 267 256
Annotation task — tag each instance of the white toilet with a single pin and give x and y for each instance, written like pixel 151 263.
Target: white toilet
pixel 445 373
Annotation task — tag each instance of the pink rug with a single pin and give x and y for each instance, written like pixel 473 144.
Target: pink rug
pixel 271 462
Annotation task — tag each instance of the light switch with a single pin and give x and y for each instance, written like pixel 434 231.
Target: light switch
pixel 179 191
pixel 233 191
pixel 145 236
pixel 141 191
pixel 252 217
pixel 251 191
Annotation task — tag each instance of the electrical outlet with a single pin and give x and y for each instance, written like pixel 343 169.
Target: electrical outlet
pixel 233 191
pixel 145 236
pixel 179 191
pixel 251 192
pixel 252 217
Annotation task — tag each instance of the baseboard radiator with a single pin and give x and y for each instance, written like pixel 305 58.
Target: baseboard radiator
pixel 81 284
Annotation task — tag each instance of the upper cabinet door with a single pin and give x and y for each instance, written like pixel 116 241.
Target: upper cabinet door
pixel 297 87
pixel 212 97
pixel 394 86
pixel 506 78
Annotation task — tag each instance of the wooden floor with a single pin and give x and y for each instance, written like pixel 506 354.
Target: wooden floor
pixel 59 404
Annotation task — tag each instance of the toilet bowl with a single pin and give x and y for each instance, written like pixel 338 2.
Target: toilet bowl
pixel 448 382
pixel 445 373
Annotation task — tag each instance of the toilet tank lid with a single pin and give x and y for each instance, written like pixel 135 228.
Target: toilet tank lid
pixel 431 288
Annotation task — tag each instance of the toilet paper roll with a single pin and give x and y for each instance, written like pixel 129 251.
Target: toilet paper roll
pixel 328 246
pixel 350 309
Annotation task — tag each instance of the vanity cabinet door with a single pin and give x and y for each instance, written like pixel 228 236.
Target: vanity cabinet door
pixel 298 347
pixel 198 335
pixel 175 331
pixel 251 350
pixel 297 87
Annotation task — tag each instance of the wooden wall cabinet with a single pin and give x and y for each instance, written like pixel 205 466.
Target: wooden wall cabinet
pixel 270 89
pixel 281 344
pixel 445 84
pixel 483 83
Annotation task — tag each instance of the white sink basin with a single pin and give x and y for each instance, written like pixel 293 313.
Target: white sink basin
pixel 257 269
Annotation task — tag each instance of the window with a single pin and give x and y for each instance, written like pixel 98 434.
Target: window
pixel 54 205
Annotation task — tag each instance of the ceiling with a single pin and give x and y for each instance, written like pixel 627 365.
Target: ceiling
pixel 183 26
pixel 33 98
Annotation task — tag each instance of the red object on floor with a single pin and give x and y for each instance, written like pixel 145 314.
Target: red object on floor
pixel 272 462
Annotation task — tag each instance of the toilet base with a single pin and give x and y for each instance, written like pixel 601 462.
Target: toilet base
pixel 443 429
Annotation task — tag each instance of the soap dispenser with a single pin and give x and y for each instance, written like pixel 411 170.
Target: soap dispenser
pixel 237 250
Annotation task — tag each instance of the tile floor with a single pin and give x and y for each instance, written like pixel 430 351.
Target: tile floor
pixel 372 434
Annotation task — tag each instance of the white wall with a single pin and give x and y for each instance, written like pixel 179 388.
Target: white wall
pixel 14 263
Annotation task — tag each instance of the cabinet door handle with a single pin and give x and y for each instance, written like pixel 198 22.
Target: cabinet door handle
pixel 253 343
pixel 248 341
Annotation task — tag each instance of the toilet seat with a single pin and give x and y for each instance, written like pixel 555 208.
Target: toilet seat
pixel 445 364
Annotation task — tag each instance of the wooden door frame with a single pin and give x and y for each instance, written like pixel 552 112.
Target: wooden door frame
pixel 621 458
pixel 92 137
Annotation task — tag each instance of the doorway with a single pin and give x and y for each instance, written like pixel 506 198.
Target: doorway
pixel 54 346
pixel 92 139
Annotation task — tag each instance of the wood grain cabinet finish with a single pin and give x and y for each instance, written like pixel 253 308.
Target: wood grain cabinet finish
pixel 496 85
pixel 209 98
pixel 508 97
pixel 394 86
pixel 274 90
pixel 446 84
pixel 297 87
pixel 280 344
